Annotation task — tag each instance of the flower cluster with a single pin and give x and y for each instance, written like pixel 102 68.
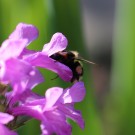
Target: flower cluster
pixel 19 74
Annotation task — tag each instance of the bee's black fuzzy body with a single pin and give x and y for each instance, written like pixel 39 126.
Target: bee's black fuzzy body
pixel 69 58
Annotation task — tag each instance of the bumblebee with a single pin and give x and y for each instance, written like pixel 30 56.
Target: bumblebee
pixel 73 61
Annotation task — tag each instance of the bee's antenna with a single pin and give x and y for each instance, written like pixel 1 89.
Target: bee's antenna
pixel 87 61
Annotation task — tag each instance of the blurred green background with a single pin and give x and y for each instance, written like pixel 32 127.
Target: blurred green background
pixel 102 31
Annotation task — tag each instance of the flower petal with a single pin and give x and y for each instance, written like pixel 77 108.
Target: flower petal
pixel 20 75
pixel 75 115
pixel 41 60
pixel 12 48
pixel 6 131
pixel 55 124
pixel 57 43
pixel 74 94
pixel 52 95
pixel 5 118
pixel 34 111
pixel 25 31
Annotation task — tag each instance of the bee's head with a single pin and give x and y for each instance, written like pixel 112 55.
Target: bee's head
pixel 74 54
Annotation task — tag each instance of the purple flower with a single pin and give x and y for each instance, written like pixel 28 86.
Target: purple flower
pixel 57 43
pixel 24 31
pixel 17 42
pixel 18 64
pixel 15 71
pixel 19 75
pixel 54 109
pixel 42 59
pixel 4 119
